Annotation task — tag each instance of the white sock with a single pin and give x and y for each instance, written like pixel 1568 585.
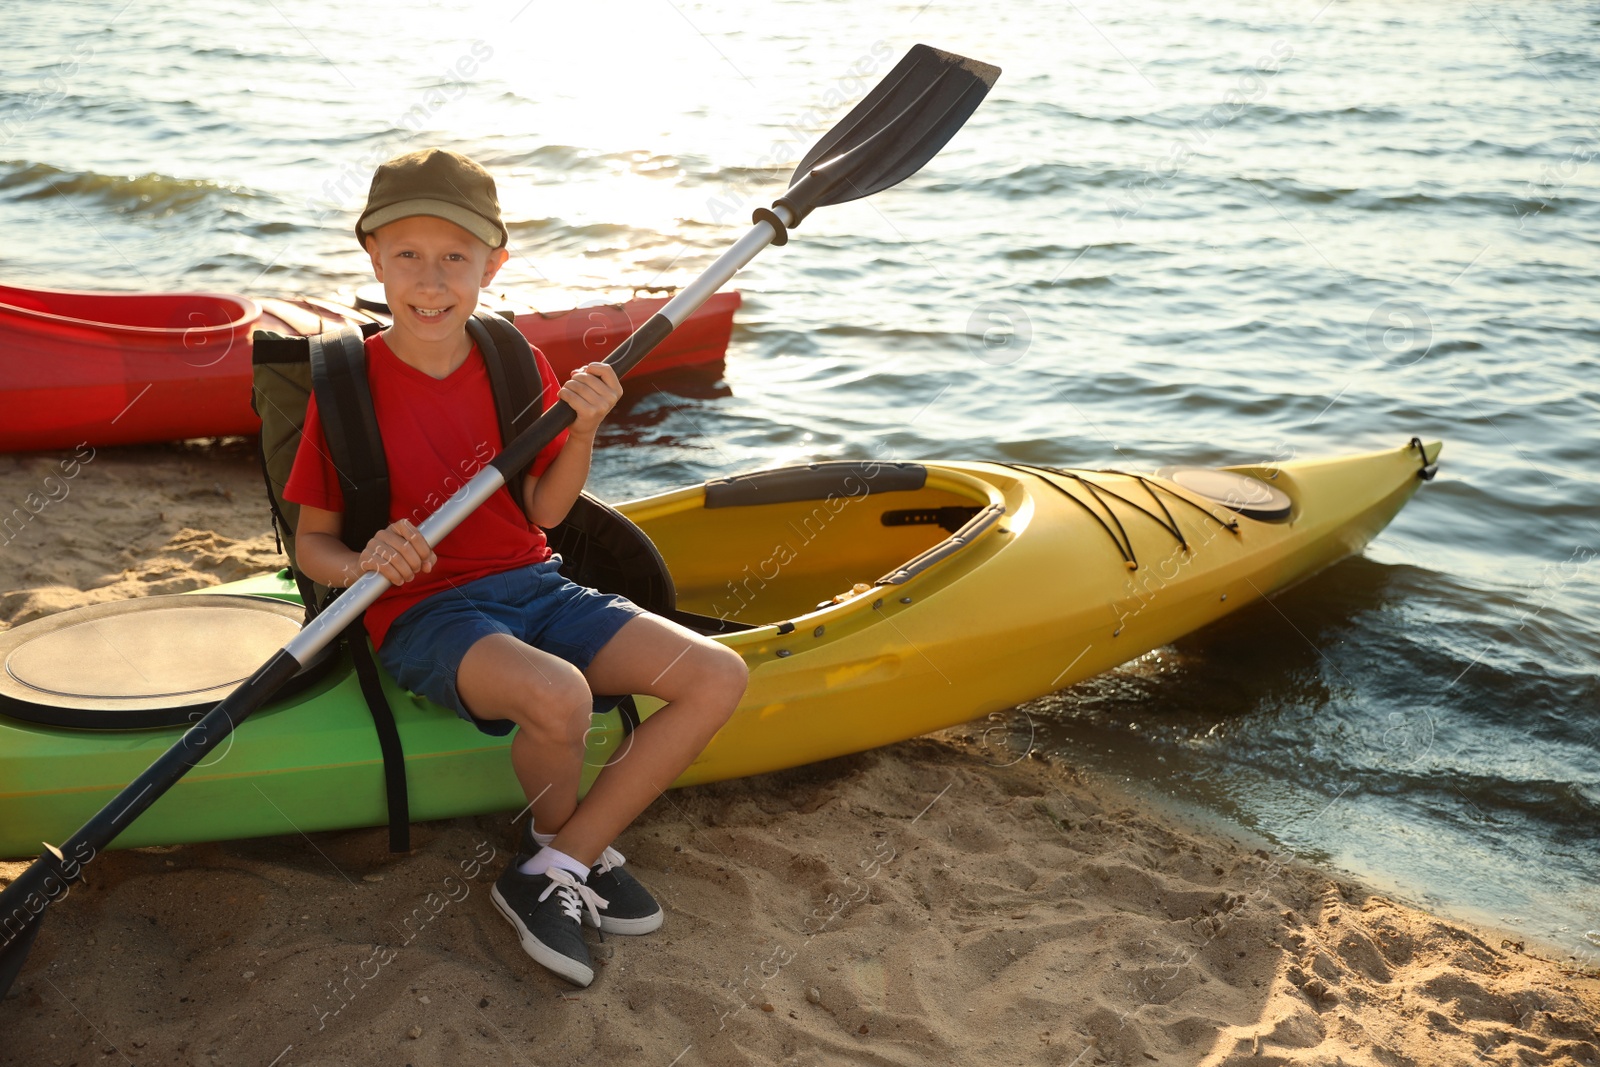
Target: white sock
pixel 548 857
pixel 542 840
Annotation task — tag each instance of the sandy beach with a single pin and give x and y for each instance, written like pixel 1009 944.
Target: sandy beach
pixel 936 901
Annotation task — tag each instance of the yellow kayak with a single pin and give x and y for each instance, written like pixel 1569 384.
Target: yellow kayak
pixel 1058 576
pixel 872 601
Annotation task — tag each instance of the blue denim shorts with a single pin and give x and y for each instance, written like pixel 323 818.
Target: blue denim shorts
pixel 535 604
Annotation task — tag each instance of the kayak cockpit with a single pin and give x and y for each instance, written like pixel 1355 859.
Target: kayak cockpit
pixel 760 548
pixel 186 318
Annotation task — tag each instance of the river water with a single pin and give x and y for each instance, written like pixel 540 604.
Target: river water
pixel 1175 233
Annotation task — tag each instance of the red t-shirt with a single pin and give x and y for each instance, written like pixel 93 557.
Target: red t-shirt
pixel 437 433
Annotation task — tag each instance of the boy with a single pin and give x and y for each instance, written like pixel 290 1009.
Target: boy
pixel 482 623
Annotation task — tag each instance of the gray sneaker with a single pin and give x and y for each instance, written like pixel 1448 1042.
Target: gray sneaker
pixel 546 911
pixel 628 909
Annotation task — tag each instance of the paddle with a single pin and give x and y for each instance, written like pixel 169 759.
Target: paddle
pixel 900 125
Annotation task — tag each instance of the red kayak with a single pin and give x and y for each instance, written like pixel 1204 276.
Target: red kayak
pixel 121 369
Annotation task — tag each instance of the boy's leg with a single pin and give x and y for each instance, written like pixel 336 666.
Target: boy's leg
pixel 701 682
pixel 549 700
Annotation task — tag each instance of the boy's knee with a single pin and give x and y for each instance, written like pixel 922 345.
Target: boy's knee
pixel 558 707
pixel 726 674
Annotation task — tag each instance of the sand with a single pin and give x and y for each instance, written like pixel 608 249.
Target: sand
pixel 930 902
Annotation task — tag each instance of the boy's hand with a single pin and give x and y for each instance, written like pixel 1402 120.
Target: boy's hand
pixel 592 392
pixel 399 552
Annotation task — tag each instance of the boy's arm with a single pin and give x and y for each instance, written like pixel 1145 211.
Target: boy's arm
pixel 550 496
pixel 592 392
pixel 398 552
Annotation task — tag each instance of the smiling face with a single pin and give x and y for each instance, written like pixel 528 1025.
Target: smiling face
pixel 431 271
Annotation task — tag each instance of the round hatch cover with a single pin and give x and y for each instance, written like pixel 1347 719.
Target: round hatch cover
pixel 147 662
pixel 1249 496
pixel 373 298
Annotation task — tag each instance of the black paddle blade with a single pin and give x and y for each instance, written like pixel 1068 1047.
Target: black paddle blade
pixel 14 952
pixel 911 114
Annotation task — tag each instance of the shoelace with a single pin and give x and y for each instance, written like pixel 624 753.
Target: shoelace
pixel 574 895
pixel 609 859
